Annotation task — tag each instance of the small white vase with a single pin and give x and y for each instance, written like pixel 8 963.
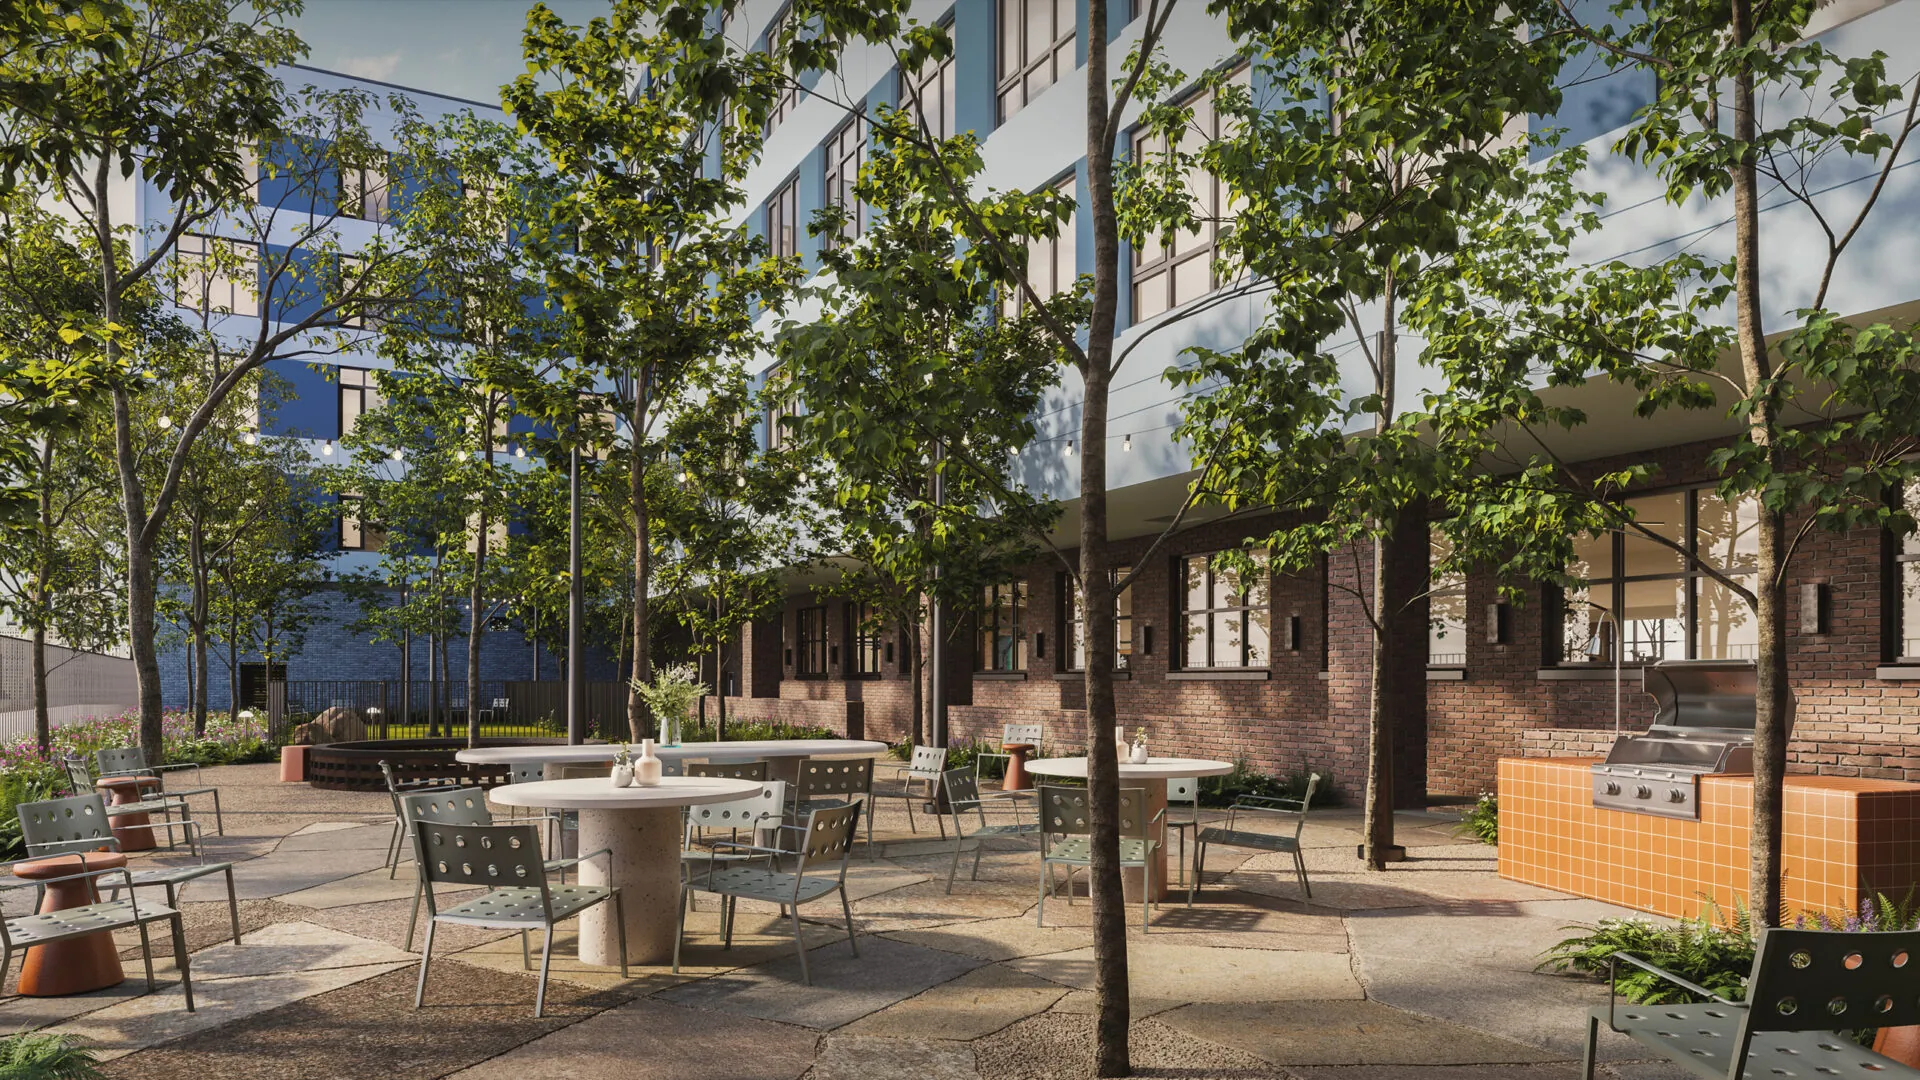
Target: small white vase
pixel 622 776
pixel 1138 755
pixel 1120 748
pixel 646 771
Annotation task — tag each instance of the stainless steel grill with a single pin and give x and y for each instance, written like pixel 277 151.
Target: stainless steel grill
pixel 1704 726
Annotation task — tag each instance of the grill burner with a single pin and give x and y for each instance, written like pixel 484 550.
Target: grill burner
pixel 1704 726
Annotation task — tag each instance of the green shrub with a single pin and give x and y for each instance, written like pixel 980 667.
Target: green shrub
pixel 755 731
pixel 25 783
pixel 1482 820
pixel 1705 950
pixel 1246 780
pixel 42 1056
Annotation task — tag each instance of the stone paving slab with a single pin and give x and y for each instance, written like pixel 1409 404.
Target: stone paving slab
pixel 1547 1011
pixel 996 939
pixel 371 887
pixel 21 1013
pixel 848 1057
pixel 1055 1046
pixel 927 904
pixel 1199 973
pixel 972 1006
pixel 651 1040
pixel 755 941
pixel 279 874
pixel 845 987
pixel 282 947
pixel 1343 1033
pixel 341 836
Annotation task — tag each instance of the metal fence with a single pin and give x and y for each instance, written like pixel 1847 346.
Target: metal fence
pixel 423 709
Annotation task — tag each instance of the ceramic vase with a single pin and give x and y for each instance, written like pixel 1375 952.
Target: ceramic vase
pixel 1121 750
pixel 1139 753
pixel 646 771
pixel 622 776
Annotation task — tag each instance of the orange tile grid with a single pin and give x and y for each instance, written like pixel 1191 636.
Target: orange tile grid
pixel 1842 838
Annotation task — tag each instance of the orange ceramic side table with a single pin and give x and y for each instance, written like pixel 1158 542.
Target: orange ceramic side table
pixel 130 829
pixel 76 965
pixel 1017 779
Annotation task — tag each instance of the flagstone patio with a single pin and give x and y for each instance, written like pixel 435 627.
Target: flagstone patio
pixel 1425 970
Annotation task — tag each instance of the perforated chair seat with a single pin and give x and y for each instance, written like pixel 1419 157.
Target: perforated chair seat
pixel 517 907
pixel 1699 1038
pixel 78 921
pixel 1078 850
pixel 771 886
pixel 1257 841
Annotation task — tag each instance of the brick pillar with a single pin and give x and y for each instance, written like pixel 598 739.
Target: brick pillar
pixel 1407 689
pixel 760 658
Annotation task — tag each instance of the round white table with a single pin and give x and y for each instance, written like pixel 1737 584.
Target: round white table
pixel 1152 777
pixel 641 828
pixel 783 755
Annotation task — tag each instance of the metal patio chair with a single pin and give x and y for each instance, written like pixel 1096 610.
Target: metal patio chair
pixel 1231 836
pixel 758 814
pixel 825 784
pixel 81 781
pixel 1808 990
pixel 1186 791
pixel 829 832
pixel 506 860
pixel 963 797
pixel 925 768
pixel 78 824
pixel 1066 839
pixel 397 787
pixel 460 806
pixel 1030 734
pixel 756 769
pixel 129 761
pixel 27 931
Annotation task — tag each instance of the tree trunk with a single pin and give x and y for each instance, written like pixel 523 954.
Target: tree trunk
pixel 140 573
pixel 917 662
pixel 720 668
pixel 1377 830
pixel 476 593
pixel 1772 693
pixel 197 605
pixel 1113 1012
pixel 42 720
pixel 642 562
pixel 42 601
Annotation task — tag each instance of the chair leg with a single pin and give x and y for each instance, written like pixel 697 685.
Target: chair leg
pixel 1146 894
pixel 958 843
pixel 1040 913
pixel 726 921
pixel 846 909
pixel 679 929
pixel 426 955
pixel 1593 1038
pixel 979 849
pixel 146 953
pixel 620 918
pixel 1199 867
pixel 1300 867
pixel 233 906
pixel 393 848
pixel 911 827
pixel 526 958
pixel 219 823
pixel 800 945
pixel 180 958
pixel 413 919
pixel 546 961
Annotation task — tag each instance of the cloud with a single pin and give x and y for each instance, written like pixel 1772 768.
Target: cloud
pixel 371 67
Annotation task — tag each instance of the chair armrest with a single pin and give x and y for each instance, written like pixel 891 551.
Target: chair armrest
pixel 11 882
pixel 194 765
pixel 109 773
pixel 1254 802
pixel 578 859
pixel 1613 971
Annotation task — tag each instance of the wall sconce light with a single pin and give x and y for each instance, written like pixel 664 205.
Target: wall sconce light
pixel 1146 640
pixel 833 656
pixel 1039 643
pixel 787 656
pixel 1498 616
pixel 889 652
pixel 1815 606
pixel 1292 633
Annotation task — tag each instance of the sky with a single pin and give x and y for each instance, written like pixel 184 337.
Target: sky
pixel 464 48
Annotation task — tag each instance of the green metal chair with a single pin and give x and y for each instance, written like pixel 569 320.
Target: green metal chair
pixel 924 769
pixel 827 784
pixel 1809 990
pixel 460 806
pixel 397 843
pixel 963 797
pixel 27 931
pixel 728 770
pixel 78 824
pixel 829 833
pixel 1294 810
pixel 129 761
pixel 1184 790
pixel 1066 839
pixel 81 781
pixel 506 860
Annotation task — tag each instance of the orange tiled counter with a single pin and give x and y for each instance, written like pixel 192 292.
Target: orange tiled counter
pixel 1842 835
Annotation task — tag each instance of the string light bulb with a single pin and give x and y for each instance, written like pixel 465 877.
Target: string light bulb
pixel 396 453
pixel 165 421
pixel 328 448
pixel 250 439
pixel 519 451
pixel 740 481
pixel 685 476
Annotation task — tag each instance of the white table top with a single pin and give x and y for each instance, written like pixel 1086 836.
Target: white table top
pixel 765 748
pixel 1156 768
pixel 598 793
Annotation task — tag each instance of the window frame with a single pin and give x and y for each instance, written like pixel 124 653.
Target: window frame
pixel 782 220
pixel 1072 622
pixel 1163 269
pixel 1437 543
pixel 804 646
pixel 1007 84
pixel 846 147
pixel 364 388
pixel 1061 273
pixel 988 624
pixel 359 193
pixel 355 532
pixel 913 91
pixel 1181 660
pixel 789 99
pixel 1901 552
pixel 865 655
pixel 240 300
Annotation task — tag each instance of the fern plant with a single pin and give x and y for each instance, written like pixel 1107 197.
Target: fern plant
pixel 1482 820
pixel 41 1056
pixel 1709 951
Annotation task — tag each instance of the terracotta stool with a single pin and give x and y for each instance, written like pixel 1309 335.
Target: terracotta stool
pixel 293 764
pixel 130 829
pixel 1017 779
pixel 76 965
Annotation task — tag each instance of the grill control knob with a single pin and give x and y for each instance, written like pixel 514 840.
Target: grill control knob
pixel 1676 795
pixel 1643 792
pixel 1613 788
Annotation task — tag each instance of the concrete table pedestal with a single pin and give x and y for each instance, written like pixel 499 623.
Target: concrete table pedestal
pixel 641 828
pixel 1152 778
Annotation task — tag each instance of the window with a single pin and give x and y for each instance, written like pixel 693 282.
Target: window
pixel 846 149
pixel 1002 644
pixel 783 406
pixel 363 191
pixel 1167 274
pixel 217 276
pixel 929 93
pixel 1667 608
pixel 1052 264
pixel 783 217
pixel 1224 620
pixel 790 91
pixel 865 626
pixel 1074 621
pixel 356 533
pixel 358 396
pixel 353 314
pixel 812 657
pixel 1905 579
pixel 1446 605
pixel 1036 49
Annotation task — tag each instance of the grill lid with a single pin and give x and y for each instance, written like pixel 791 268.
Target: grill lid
pixel 1704 699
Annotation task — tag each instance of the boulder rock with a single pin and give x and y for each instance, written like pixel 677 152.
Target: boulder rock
pixel 337 724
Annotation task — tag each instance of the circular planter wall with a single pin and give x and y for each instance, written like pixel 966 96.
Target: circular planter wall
pixel 355 766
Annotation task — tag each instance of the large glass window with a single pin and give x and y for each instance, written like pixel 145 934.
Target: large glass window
pixel 363 191
pixel 216 275
pixel 1171 271
pixel 1225 617
pixel 1036 49
pixel 783 220
pixel 865 626
pixel 783 408
pixel 1001 644
pixel 358 396
pixel 789 98
pixel 846 149
pixel 1446 605
pixel 811 659
pixel 1906 584
pixel 357 533
pixel 929 93
pixel 1650 578
pixel 1052 262
pixel 1074 619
